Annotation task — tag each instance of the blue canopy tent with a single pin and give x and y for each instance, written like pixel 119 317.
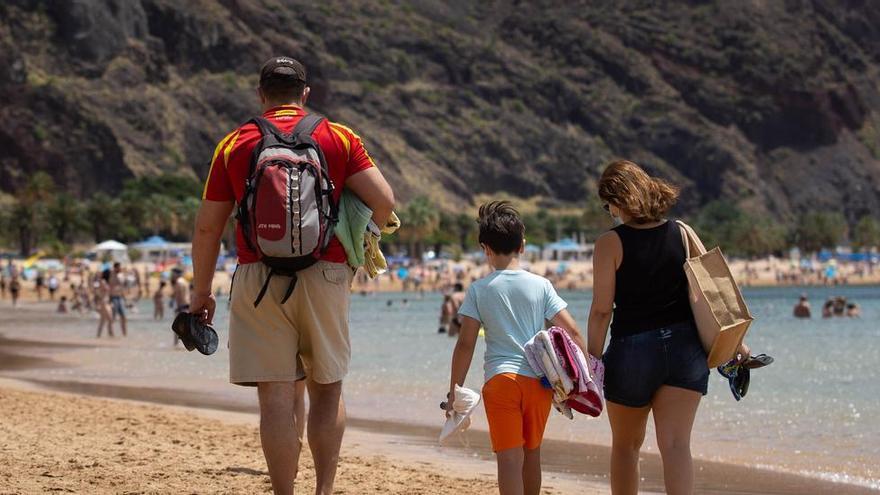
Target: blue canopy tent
pixel 154 248
pixel 826 255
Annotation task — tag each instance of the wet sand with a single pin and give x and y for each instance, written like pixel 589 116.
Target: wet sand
pixel 571 464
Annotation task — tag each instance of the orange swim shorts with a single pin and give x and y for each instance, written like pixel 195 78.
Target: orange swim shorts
pixel 517 408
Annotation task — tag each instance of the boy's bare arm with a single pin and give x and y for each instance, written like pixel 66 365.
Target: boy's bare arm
pixel 464 351
pixel 564 321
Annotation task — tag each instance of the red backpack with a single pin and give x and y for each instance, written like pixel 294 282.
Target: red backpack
pixel 288 213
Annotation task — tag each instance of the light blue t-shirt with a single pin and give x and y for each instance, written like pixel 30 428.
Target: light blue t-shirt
pixel 512 306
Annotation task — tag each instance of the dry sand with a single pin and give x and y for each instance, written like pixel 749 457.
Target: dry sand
pixel 64 443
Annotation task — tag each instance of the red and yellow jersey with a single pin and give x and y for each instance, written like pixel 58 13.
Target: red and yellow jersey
pixel 343 150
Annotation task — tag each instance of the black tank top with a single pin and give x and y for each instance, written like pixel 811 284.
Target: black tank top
pixel 651 287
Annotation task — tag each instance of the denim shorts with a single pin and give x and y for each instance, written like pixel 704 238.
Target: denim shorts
pixel 636 366
pixel 118 306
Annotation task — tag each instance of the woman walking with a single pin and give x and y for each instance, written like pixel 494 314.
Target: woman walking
pixel 655 361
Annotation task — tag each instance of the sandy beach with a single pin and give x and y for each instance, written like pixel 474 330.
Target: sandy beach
pixel 59 435
pixel 88 445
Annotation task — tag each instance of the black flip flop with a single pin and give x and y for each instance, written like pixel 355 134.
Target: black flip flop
pixel 759 361
pixel 194 334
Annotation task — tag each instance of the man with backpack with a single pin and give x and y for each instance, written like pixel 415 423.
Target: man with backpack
pixel 285 172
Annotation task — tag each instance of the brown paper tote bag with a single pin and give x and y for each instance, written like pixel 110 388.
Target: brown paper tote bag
pixel 720 312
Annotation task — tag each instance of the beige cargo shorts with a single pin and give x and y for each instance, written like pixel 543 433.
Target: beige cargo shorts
pixel 267 342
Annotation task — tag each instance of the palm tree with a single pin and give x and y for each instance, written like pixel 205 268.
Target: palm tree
pixel 159 213
pixel 185 212
pixel 418 220
pixel 65 215
pixel 103 216
pixel 866 233
pixel 29 213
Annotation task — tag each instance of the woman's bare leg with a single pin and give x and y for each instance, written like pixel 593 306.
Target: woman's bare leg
pixel 627 435
pixel 674 412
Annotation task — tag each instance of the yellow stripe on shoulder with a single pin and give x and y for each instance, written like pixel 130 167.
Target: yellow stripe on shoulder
pixel 229 146
pixel 337 129
pixel 219 147
pixel 222 143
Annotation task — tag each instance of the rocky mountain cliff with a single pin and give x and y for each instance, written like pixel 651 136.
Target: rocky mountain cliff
pixel 773 105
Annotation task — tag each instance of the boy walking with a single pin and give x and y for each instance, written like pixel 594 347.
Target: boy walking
pixel 512 305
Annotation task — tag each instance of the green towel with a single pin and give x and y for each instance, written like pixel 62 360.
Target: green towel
pixel 354 216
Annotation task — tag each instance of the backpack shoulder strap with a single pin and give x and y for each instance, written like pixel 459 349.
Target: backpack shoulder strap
pixel 302 133
pixel 306 125
pixel 265 127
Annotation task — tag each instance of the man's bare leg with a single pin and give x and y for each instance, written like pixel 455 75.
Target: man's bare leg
pixel 299 415
pixel 325 428
pixel 278 433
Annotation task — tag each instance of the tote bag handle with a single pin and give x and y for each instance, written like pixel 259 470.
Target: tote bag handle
pixel 693 246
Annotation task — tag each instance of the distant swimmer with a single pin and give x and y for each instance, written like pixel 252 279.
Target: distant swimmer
pixel 853 310
pixel 802 308
pixel 839 306
pixel 828 309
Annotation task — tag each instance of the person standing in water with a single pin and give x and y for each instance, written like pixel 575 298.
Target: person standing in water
pixel 655 362
pixel 53 286
pixel 102 303
pixel 445 313
pixel 117 296
pixel 14 289
pixel 159 302
pixel 39 284
pixel 455 301
pixel 179 295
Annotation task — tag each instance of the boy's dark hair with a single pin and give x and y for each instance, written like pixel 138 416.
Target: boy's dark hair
pixel 501 229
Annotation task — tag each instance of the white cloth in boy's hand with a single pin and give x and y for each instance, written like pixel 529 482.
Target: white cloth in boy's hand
pixel 458 418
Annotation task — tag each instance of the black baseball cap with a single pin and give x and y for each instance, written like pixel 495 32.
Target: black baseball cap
pixel 282 71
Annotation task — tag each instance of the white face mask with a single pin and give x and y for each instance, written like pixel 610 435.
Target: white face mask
pixel 614 218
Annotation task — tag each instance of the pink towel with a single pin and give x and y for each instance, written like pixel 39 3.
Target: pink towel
pixel 586 398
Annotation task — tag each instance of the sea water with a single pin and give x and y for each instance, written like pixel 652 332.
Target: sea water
pixel 815 410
